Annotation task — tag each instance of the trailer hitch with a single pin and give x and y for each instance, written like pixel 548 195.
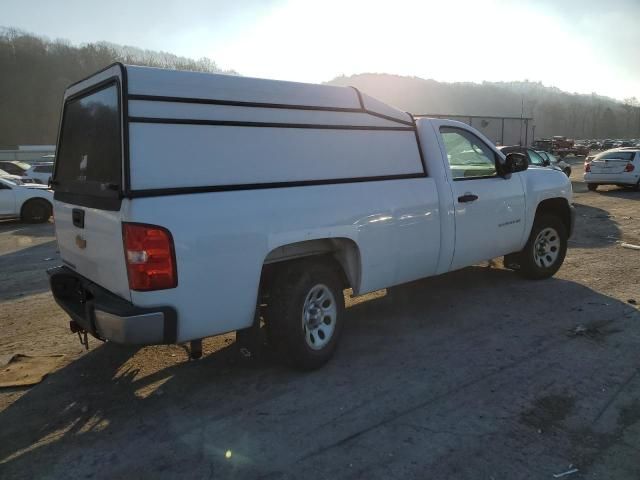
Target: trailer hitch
pixel 82 333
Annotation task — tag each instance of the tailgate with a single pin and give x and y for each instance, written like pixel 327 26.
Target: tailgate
pixel 95 251
pixel 608 166
pixel 88 182
pixel 612 162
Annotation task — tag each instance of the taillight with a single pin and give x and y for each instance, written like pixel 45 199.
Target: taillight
pixel 587 167
pixel 629 167
pixel 150 257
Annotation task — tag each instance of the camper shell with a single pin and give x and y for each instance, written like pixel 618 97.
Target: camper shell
pixel 152 101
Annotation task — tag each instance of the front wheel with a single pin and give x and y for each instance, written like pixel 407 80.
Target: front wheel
pixel 305 312
pixel 546 248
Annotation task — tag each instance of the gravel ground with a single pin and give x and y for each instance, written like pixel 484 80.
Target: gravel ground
pixel 474 374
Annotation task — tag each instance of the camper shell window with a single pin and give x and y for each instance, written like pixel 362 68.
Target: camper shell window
pixel 89 164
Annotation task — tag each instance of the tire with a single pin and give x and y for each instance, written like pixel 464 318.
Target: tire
pixel 36 211
pixel 306 333
pixel 546 248
pixel 567 172
pixel 592 187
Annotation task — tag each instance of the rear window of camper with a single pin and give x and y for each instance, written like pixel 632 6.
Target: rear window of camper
pixel 90 155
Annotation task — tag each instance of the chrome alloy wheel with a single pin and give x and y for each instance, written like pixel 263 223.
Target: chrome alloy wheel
pixel 546 248
pixel 319 316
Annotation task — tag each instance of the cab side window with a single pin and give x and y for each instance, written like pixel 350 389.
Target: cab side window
pixel 468 156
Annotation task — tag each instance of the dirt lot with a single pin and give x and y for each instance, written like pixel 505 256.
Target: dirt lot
pixel 475 374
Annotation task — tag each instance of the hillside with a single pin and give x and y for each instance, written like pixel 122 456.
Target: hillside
pixel 35 73
pixel 555 112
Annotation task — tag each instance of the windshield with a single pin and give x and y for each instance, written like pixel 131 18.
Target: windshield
pixel 543 154
pixel 535 158
pixel 552 158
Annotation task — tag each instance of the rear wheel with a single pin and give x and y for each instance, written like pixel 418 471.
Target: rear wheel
pixel 305 312
pixel 546 248
pixel 36 211
pixel 592 187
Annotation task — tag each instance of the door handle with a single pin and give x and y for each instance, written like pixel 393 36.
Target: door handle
pixel 77 215
pixel 467 197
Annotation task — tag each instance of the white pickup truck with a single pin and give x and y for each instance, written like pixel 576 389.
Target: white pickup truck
pixel 190 204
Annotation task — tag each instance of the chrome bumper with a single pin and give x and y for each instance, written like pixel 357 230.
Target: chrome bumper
pixel 107 316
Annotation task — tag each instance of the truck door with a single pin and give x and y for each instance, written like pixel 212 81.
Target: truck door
pixel 489 209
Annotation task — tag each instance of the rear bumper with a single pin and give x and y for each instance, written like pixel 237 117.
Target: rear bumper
pixel 107 316
pixel 612 178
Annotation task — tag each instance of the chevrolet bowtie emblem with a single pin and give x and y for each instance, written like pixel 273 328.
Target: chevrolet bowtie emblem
pixel 81 242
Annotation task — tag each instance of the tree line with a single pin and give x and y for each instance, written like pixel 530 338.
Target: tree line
pixel 36 71
pixel 554 111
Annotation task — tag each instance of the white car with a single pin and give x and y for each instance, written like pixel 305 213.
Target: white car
pixel 14 167
pixel 28 201
pixel 41 172
pixel 186 202
pixel 21 177
pixel 614 167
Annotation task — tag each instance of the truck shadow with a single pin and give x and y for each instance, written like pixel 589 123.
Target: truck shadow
pixel 89 417
pixel 619 192
pixel 594 228
pixel 23 271
pixel 17 227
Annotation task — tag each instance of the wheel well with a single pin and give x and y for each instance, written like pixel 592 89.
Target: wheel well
pixel 343 251
pixel 32 200
pixel 558 207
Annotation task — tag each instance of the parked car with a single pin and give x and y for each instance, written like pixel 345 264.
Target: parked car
pixel 24 179
pixel 283 198
pixel 581 150
pixel 539 158
pixel 613 167
pixel 14 167
pixel 555 162
pixel 41 172
pixel 30 202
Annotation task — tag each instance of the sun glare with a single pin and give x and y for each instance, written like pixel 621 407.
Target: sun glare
pixel 454 41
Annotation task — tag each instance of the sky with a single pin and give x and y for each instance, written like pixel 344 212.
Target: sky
pixel 581 46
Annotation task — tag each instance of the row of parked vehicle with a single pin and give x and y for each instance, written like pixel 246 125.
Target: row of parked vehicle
pixel 607 144
pixel 24 191
pixel 615 166
pixel 37 172
pixel 539 158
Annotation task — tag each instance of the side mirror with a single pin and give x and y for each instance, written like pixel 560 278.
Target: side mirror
pixel 546 163
pixel 514 163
